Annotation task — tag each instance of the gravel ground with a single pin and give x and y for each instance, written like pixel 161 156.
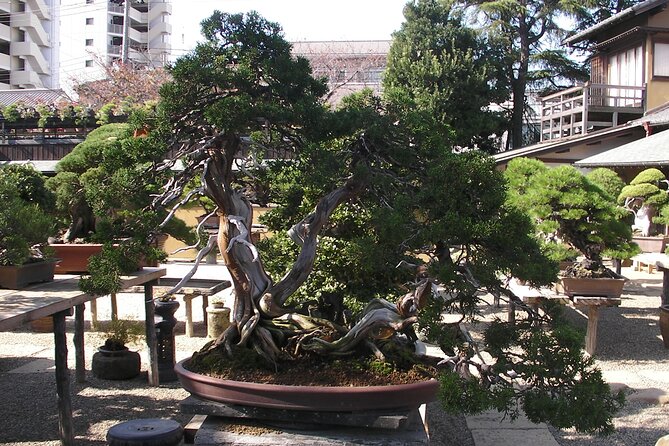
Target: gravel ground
pixel 629 351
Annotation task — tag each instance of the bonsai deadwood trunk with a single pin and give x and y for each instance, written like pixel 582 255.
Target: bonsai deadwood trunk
pixel 257 298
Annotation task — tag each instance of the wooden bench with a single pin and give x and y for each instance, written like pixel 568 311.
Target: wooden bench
pixel 534 296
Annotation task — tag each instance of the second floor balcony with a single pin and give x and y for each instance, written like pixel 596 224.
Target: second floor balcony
pixel 586 108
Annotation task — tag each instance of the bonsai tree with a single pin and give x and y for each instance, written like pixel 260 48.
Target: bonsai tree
pixel 647 197
pixel 569 208
pixel 102 190
pixel 396 213
pixel 25 224
pixel 119 333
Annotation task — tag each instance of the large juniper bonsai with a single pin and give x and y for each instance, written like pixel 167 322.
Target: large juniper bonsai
pixel 409 230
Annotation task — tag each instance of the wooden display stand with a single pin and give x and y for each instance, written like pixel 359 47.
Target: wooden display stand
pixel 224 424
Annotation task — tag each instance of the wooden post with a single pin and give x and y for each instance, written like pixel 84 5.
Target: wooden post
pixel 63 380
pixel 114 307
pixel 79 353
pixel 150 328
pixel 205 304
pixel 665 286
pixel 188 301
pixel 511 312
pixel 591 332
pixel 94 314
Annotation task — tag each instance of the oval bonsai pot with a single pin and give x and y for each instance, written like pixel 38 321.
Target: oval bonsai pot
pixel 313 398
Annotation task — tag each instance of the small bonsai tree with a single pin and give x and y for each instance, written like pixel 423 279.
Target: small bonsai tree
pixel 569 208
pixel 647 197
pixel 103 188
pixel 25 224
pixel 118 334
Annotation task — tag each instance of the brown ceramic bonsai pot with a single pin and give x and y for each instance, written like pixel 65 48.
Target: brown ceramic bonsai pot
pixel 74 256
pixel 312 398
pixel 583 286
pixel 651 244
pixel 19 276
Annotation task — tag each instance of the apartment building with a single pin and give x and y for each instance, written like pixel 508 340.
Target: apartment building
pixel 28 50
pixel 54 43
pixel 93 32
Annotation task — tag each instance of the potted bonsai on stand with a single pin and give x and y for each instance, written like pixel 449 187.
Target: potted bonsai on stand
pixel 114 360
pixel 647 197
pixel 24 228
pixel 571 209
pixel 102 188
pixel 407 230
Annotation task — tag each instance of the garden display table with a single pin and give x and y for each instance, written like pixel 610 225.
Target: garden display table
pixel 661 262
pixel 206 281
pixel 534 296
pixel 57 299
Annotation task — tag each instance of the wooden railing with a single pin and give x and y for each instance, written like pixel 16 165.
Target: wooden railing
pixel 571 111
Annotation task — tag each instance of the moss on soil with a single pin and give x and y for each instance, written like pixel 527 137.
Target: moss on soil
pixel 314 370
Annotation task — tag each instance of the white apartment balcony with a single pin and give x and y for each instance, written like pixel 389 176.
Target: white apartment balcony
pixel 157 9
pixel 586 108
pixel 138 16
pixel 115 29
pixel 5 33
pixel 113 7
pixel 138 36
pixel 159 46
pixel 40 8
pixel 33 25
pixel 25 79
pixel 5 62
pixel 31 52
pixel 114 50
pixel 158 29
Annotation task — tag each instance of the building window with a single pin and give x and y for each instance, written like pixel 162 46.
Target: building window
pixel 89 42
pixel 89 20
pixel 661 59
pixel 88 63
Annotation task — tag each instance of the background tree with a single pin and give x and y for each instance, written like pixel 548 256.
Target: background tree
pixel 448 72
pixel 529 30
pixel 122 84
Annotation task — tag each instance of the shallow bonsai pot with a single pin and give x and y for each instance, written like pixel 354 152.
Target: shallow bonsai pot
pixel 74 256
pixel 651 244
pixel 313 398
pixel 585 286
pixel 19 276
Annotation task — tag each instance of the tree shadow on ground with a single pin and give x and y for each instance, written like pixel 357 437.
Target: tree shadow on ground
pixel 97 405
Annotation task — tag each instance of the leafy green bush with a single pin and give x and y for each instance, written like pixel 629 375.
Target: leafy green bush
pixel 25 225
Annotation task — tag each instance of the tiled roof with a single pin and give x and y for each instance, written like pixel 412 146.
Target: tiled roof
pixel 650 151
pixel 342 47
pixel 625 14
pixel 32 97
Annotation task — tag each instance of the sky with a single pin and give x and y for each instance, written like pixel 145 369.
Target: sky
pixel 300 19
